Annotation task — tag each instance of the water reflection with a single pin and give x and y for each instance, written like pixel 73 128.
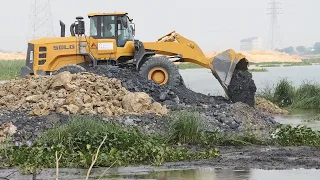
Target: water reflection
pixel 211 174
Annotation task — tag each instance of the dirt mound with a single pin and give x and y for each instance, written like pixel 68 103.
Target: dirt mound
pixel 133 82
pixel 68 93
pixel 268 107
pixel 242 88
pixel 12 56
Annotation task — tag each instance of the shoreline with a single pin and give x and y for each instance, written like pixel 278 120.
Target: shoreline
pixel 233 158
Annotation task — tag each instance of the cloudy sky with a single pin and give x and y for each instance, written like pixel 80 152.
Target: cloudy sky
pixel 213 24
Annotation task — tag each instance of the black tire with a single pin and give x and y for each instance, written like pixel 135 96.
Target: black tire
pixel 174 78
pixel 72 68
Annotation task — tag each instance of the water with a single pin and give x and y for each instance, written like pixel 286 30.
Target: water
pixel 184 173
pixel 212 174
pixel 202 80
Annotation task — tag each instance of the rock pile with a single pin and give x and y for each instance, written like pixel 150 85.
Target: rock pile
pixel 83 93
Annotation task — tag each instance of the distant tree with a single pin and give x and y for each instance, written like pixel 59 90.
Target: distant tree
pixel 316 47
pixel 288 50
pixel 301 49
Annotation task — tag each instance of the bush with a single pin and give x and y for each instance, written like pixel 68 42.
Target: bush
pixel 284 93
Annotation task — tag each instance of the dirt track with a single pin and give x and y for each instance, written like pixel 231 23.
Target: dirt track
pixel 267 158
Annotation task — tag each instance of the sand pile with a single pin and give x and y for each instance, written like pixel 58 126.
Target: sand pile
pixel 83 93
pixel 12 56
pixel 268 107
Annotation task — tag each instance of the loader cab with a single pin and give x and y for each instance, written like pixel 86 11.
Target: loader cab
pixel 116 26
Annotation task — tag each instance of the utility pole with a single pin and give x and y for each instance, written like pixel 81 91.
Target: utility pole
pixel 41 21
pixel 273 11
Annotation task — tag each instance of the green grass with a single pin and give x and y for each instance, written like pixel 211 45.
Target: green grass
pixel 10 69
pixel 258 70
pixel 189 66
pixel 295 136
pixel 312 60
pixel 284 94
pixel 297 64
pixel 270 65
pixel 78 140
pixel 305 62
pixel 186 128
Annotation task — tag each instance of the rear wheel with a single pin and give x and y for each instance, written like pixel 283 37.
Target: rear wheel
pixel 161 70
pixel 72 68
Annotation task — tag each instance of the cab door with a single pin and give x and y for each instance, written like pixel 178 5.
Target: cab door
pixel 103 43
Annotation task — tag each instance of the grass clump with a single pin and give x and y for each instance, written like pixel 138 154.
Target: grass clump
pixel 10 69
pixel 295 136
pixel 270 65
pixel 258 70
pixel 284 94
pixel 186 128
pixel 307 96
pixel 189 66
pixel 77 143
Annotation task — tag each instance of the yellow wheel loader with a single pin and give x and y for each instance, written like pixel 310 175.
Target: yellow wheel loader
pixel 111 42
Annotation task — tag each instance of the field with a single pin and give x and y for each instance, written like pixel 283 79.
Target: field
pixel 10 69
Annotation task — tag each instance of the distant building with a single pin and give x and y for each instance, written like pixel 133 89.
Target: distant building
pixel 249 44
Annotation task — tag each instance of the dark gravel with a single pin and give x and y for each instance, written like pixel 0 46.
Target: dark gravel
pixel 242 88
pixel 29 127
pixel 165 94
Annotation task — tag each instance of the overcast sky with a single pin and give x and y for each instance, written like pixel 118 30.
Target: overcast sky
pixel 213 24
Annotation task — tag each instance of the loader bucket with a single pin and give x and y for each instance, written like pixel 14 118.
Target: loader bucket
pixel 223 66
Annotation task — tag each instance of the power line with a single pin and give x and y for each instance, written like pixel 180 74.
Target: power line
pixel 41 22
pixel 274 11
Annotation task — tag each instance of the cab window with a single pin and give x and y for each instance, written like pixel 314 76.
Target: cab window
pixel 103 27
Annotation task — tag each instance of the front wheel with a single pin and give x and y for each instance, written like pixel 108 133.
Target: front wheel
pixel 161 70
pixel 72 68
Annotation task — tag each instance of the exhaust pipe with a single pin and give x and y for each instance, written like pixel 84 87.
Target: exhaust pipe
pixel 63 29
